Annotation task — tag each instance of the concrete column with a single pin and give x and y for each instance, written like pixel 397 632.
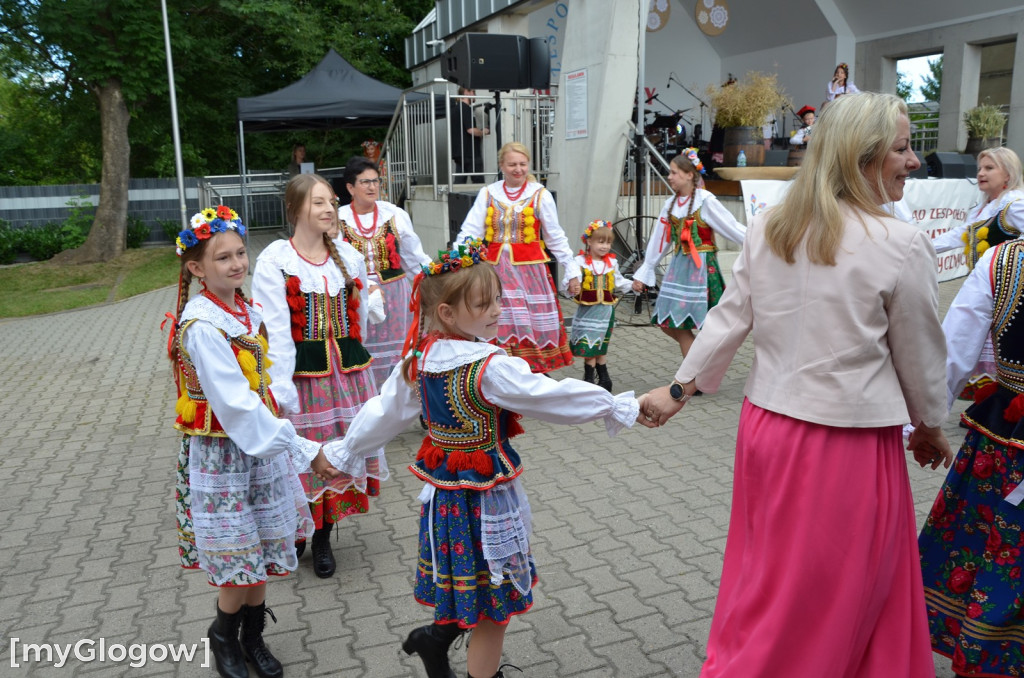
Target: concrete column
pixel 1015 125
pixel 601 37
pixel 961 68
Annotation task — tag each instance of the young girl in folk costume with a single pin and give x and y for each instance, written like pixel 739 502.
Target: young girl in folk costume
pixel 517 218
pixel 314 296
pixel 383 234
pixel 595 316
pixel 475 565
pixel 686 228
pixel 239 500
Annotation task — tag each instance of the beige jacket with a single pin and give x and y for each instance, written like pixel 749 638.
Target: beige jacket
pixel 855 345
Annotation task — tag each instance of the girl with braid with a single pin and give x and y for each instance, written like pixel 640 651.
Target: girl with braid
pixel 686 228
pixel 239 500
pixel 314 297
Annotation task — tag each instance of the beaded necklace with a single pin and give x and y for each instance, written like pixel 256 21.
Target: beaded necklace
pixel 241 316
pixel 359 225
pixel 513 196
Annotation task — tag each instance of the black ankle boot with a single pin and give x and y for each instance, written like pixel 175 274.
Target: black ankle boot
pixel 255 650
pixel 431 643
pixel 603 380
pixel 227 651
pixel 323 557
pixel 500 673
pixel 300 548
pixel 588 374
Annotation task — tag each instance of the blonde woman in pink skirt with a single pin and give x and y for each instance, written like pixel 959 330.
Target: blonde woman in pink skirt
pixel 821 574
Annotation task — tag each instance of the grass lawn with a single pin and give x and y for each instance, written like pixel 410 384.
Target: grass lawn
pixel 43 287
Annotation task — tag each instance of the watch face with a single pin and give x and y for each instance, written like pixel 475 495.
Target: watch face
pixel 676 391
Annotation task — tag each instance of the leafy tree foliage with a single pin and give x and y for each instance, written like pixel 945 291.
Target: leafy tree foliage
pixel 932 84
pixel 904 88
pixel 84 93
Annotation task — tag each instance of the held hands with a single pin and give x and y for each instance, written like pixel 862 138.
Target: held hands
pixel 930 446
pixel 323 468
pixel 638 286
pixel 657 407
pixel 574 287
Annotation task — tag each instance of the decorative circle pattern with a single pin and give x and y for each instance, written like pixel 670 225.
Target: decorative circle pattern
pixel 712 16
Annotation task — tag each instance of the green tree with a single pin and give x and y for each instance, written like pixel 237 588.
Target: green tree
pixel 931 87
pixel 904 88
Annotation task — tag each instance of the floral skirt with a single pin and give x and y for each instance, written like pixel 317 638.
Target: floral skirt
pixel 328 405
pixel 464 591
pixel 687 292
pixel 821 575
pixel 592 330
pixel 530 326
pixel 971 560
pixel 238 516
pixel 384 340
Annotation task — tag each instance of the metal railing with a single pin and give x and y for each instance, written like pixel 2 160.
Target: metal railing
pixel 416 151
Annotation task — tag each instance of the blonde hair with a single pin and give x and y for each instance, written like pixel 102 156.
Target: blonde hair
pixel 465 286
pixel 296 193
pixel 601 234
pixel 684 164
pixel 515 146
pixel 843 163
pixel 1009 162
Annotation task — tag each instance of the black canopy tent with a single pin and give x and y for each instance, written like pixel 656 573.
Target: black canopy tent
pixel 334 95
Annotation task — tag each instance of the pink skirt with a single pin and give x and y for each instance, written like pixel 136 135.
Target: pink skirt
pixel 384 340
pixel 821 575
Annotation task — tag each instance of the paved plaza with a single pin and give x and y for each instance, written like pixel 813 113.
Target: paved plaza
pixel 629 532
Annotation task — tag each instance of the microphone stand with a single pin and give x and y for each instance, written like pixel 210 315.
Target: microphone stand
pixel 703 105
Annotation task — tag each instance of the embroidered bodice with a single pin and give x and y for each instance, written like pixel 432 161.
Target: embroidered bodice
pixel 382 248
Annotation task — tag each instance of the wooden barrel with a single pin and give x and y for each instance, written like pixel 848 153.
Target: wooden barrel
pixel 748 139
pixel 796 156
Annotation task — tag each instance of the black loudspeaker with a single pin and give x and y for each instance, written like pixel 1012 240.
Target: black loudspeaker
pixel 776 158
pixel 952 165
pixel 922 171
pixel 497 62
pixel 459 205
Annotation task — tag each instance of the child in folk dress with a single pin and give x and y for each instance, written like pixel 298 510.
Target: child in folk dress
pixel 475 565
pixel 595 316
pixel 239 500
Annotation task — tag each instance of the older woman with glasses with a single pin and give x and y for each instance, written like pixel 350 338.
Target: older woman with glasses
pixel 383 234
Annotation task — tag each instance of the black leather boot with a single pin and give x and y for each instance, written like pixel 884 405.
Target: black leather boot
pixel 588 373
pixel 254 620
pixel 603 380
pixel 227 651
pixel 431 643
pixel 500 673
pixel 300 548
pixel 323 557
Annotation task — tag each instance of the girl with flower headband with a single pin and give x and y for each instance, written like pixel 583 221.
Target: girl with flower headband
pixel 686 228
pixel 840 83
pixel 313 291
pixel 517 218
pixel 475 568
pixel 595 314
pixel 240 504
pixel 383 234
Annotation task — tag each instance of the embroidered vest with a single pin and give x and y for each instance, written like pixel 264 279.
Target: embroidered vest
pixel 467 443
pixel 195 416
pixel 317 319
pixel 516 225
pixel 988 233
pixel 597 288
pixel 384 245
pixel 702 235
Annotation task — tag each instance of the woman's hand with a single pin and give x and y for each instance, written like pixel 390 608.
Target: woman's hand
pixel 929 445
pixel 638 286
pixel 658 406
pixel 323 468
pixel 574 287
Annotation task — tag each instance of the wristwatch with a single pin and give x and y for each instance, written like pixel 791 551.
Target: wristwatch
pixel 678 393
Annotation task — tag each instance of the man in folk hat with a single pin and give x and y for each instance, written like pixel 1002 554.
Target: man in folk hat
pixel 806 114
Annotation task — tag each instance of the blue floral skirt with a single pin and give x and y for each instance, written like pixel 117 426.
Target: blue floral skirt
pixel 463 592
pixel 971 561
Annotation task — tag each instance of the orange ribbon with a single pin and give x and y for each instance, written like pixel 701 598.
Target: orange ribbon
pixel 686 237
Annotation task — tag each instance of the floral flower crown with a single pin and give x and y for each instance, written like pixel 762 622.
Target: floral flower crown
pixel 593 226
pixel 205 224
pixel 468 253
pixel 691 154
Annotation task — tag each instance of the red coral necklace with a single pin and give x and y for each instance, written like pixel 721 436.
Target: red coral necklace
pixel 513 196
pixel 241 316
pixel 359 225
pixel 682 201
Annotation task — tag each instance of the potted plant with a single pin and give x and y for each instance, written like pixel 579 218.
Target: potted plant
pixel 741 109
pixel 984 127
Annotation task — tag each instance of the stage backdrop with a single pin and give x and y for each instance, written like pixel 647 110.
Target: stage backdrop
pixel 933 205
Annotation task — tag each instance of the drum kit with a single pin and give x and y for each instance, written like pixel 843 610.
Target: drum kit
pixel 668 131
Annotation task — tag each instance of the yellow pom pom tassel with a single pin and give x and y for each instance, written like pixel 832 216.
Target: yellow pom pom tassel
pixel 964 236
pixel 983 233
pixel 254 380
pixel 247 361
pixel 982 246
pixel 185 408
